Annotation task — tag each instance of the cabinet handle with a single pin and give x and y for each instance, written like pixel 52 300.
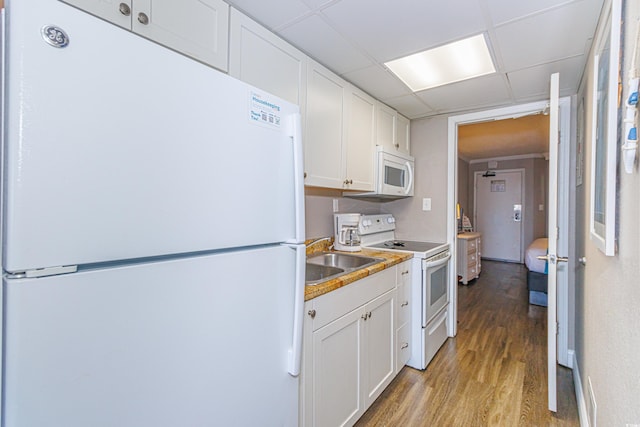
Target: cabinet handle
pixel 312 313
pixel 364 317
pixel 143 18
pixel 404 345
pixel 405 272
pixel 404 304
pixel 125 9
pixel 397 145
pixel 305 175
pixel 348 181
pixel 369 315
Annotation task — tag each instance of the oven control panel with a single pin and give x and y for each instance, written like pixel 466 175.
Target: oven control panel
pixel 370 224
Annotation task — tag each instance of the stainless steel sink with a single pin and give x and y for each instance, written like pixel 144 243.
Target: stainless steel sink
pixel 319 273
pixel 327 265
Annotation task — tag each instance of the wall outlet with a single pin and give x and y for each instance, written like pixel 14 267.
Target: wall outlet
pixel 540 208
pixel 592 404
pixel 426 204
pixel 335 205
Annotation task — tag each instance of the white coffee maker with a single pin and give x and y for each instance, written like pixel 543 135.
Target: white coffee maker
pixel 347 237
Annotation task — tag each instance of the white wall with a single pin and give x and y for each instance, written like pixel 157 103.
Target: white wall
pixel 608 288
pixel 429 147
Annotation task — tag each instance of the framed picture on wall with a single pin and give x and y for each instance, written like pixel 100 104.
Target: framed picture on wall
pixel 605 130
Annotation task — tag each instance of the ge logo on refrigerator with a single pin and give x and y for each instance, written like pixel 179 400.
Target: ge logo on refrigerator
pixel 55 36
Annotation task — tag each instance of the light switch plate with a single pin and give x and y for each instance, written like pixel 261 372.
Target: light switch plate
pixel 426 204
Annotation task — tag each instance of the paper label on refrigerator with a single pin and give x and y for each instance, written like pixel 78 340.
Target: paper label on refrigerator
pixel 265 111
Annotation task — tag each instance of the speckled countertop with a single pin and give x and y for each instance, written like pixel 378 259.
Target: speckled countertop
pixel 389 259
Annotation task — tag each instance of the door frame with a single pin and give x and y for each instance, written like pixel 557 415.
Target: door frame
pixel 522 201
pixel 566 300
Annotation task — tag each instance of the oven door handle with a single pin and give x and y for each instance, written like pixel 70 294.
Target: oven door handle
pixel 433 264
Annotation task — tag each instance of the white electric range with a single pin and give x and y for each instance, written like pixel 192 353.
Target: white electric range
pixel 429 284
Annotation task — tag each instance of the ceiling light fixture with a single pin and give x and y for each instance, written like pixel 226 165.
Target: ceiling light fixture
pixel 446 64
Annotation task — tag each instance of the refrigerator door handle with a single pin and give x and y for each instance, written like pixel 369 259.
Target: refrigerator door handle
pixel 298 183
pixel 295 353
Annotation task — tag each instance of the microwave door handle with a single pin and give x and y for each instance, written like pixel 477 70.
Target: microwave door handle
pixel 410 183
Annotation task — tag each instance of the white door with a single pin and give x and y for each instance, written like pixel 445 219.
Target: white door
pixel 499 214
pixel 185 342
pixel 187 150
pixel 553 233
pixel 337 371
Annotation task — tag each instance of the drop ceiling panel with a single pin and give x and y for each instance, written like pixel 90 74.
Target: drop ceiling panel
pixel 534 82
pixel 410 105
pixel 529 39
pixel 378 82
pixel 503 11
pixel 269 14
pixel 388 30
pixel 544 38
pixel 315 37
pixel 480 92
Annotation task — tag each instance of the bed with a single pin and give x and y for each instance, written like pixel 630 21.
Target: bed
pixel 537 271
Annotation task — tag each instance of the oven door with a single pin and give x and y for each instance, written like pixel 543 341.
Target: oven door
pixel 435 291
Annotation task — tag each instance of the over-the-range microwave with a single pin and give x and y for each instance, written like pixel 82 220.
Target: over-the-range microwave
pixel 393 177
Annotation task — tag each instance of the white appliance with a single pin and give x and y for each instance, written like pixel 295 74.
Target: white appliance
pixel 394 177
pixel 429 284
pixel 139 288
pixel 346 233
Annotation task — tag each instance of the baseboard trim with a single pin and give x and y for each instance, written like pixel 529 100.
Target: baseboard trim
pixel 580 398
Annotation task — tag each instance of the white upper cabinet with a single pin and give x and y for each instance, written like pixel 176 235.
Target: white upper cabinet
pixel 361 142
pixel 392 130
pixel 324 158
pixel 403 137
pixel 339 138
pixel 262 59
pixel 196 28
pixel 386 127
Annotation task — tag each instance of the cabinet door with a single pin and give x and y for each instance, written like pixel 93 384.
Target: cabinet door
pixel 197 28
pixel 379 349
pixel 386 125
pixel 337 397
pixel 323 149
pixel 403 141
pixel 264 60
pixel 115 11
pixel 360 141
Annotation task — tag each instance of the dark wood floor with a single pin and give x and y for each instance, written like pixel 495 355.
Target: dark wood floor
pixel 493 373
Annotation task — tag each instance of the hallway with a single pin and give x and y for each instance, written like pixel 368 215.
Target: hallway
pixel 492 374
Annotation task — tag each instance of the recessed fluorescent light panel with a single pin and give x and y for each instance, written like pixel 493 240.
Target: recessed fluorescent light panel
pixel 446 64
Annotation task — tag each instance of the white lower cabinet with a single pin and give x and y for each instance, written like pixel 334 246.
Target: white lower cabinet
pixel 349 350
pixel 403 315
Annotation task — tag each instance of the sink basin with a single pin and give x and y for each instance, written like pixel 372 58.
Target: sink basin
pixel 340 260
pixel 325 266
pixel 319 273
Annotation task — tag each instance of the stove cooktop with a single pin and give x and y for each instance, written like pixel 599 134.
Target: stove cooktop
pixel 423 248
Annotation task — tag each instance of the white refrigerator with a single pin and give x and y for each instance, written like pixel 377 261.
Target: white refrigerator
pixel 152 238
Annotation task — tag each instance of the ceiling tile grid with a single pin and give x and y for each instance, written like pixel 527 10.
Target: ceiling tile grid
pixel 529 40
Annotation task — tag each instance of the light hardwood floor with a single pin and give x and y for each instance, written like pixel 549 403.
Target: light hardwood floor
pixel 493 373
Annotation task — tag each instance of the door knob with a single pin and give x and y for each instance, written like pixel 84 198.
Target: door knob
pixel 583 260
pixel 553 259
